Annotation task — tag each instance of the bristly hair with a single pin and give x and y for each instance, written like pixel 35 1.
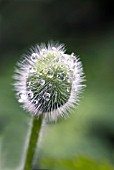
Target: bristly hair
pixel 48 81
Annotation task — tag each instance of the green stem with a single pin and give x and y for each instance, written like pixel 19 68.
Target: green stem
pixel 35 131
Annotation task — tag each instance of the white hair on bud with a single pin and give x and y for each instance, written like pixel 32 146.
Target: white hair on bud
pixel 48 81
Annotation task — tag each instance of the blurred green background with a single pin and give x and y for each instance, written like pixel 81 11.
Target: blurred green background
pixel 87 28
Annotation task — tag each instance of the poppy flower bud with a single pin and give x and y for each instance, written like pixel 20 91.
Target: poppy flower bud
pixel 48 81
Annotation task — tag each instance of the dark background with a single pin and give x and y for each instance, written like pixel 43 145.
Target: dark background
pixel 87 28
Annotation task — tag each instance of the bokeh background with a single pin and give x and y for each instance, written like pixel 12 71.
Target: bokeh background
pixel 86 139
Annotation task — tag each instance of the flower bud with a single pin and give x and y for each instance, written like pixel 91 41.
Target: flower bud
pixel 48 81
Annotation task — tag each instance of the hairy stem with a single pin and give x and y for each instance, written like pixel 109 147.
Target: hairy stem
pixel 36 156
pixel 35 134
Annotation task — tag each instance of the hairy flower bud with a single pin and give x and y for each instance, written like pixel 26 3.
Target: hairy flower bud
pixel 48 81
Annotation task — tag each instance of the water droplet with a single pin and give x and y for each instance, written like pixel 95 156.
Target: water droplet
pixel 72 54
pixel 61 76
pixel 35 102
pixel 61 52
pixel 20 101
pixel 34 56
pixel 56 59
pixel 22 97
pixel 62 58
pixel 32 70
pixel 28 83
pixel 55 93
pixel 42 82
pixel 69 80
pixel 19 94
pixel 53 48
pixel 46 96
pixel 37 74
pixel 68 89
pixel 30 94
pixel 50 73
pixel 43 50
pixel 50 85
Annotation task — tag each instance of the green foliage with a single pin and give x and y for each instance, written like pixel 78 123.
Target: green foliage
pixel 80 163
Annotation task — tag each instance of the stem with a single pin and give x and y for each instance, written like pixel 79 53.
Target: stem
pixel 35 161
pixel 35 131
